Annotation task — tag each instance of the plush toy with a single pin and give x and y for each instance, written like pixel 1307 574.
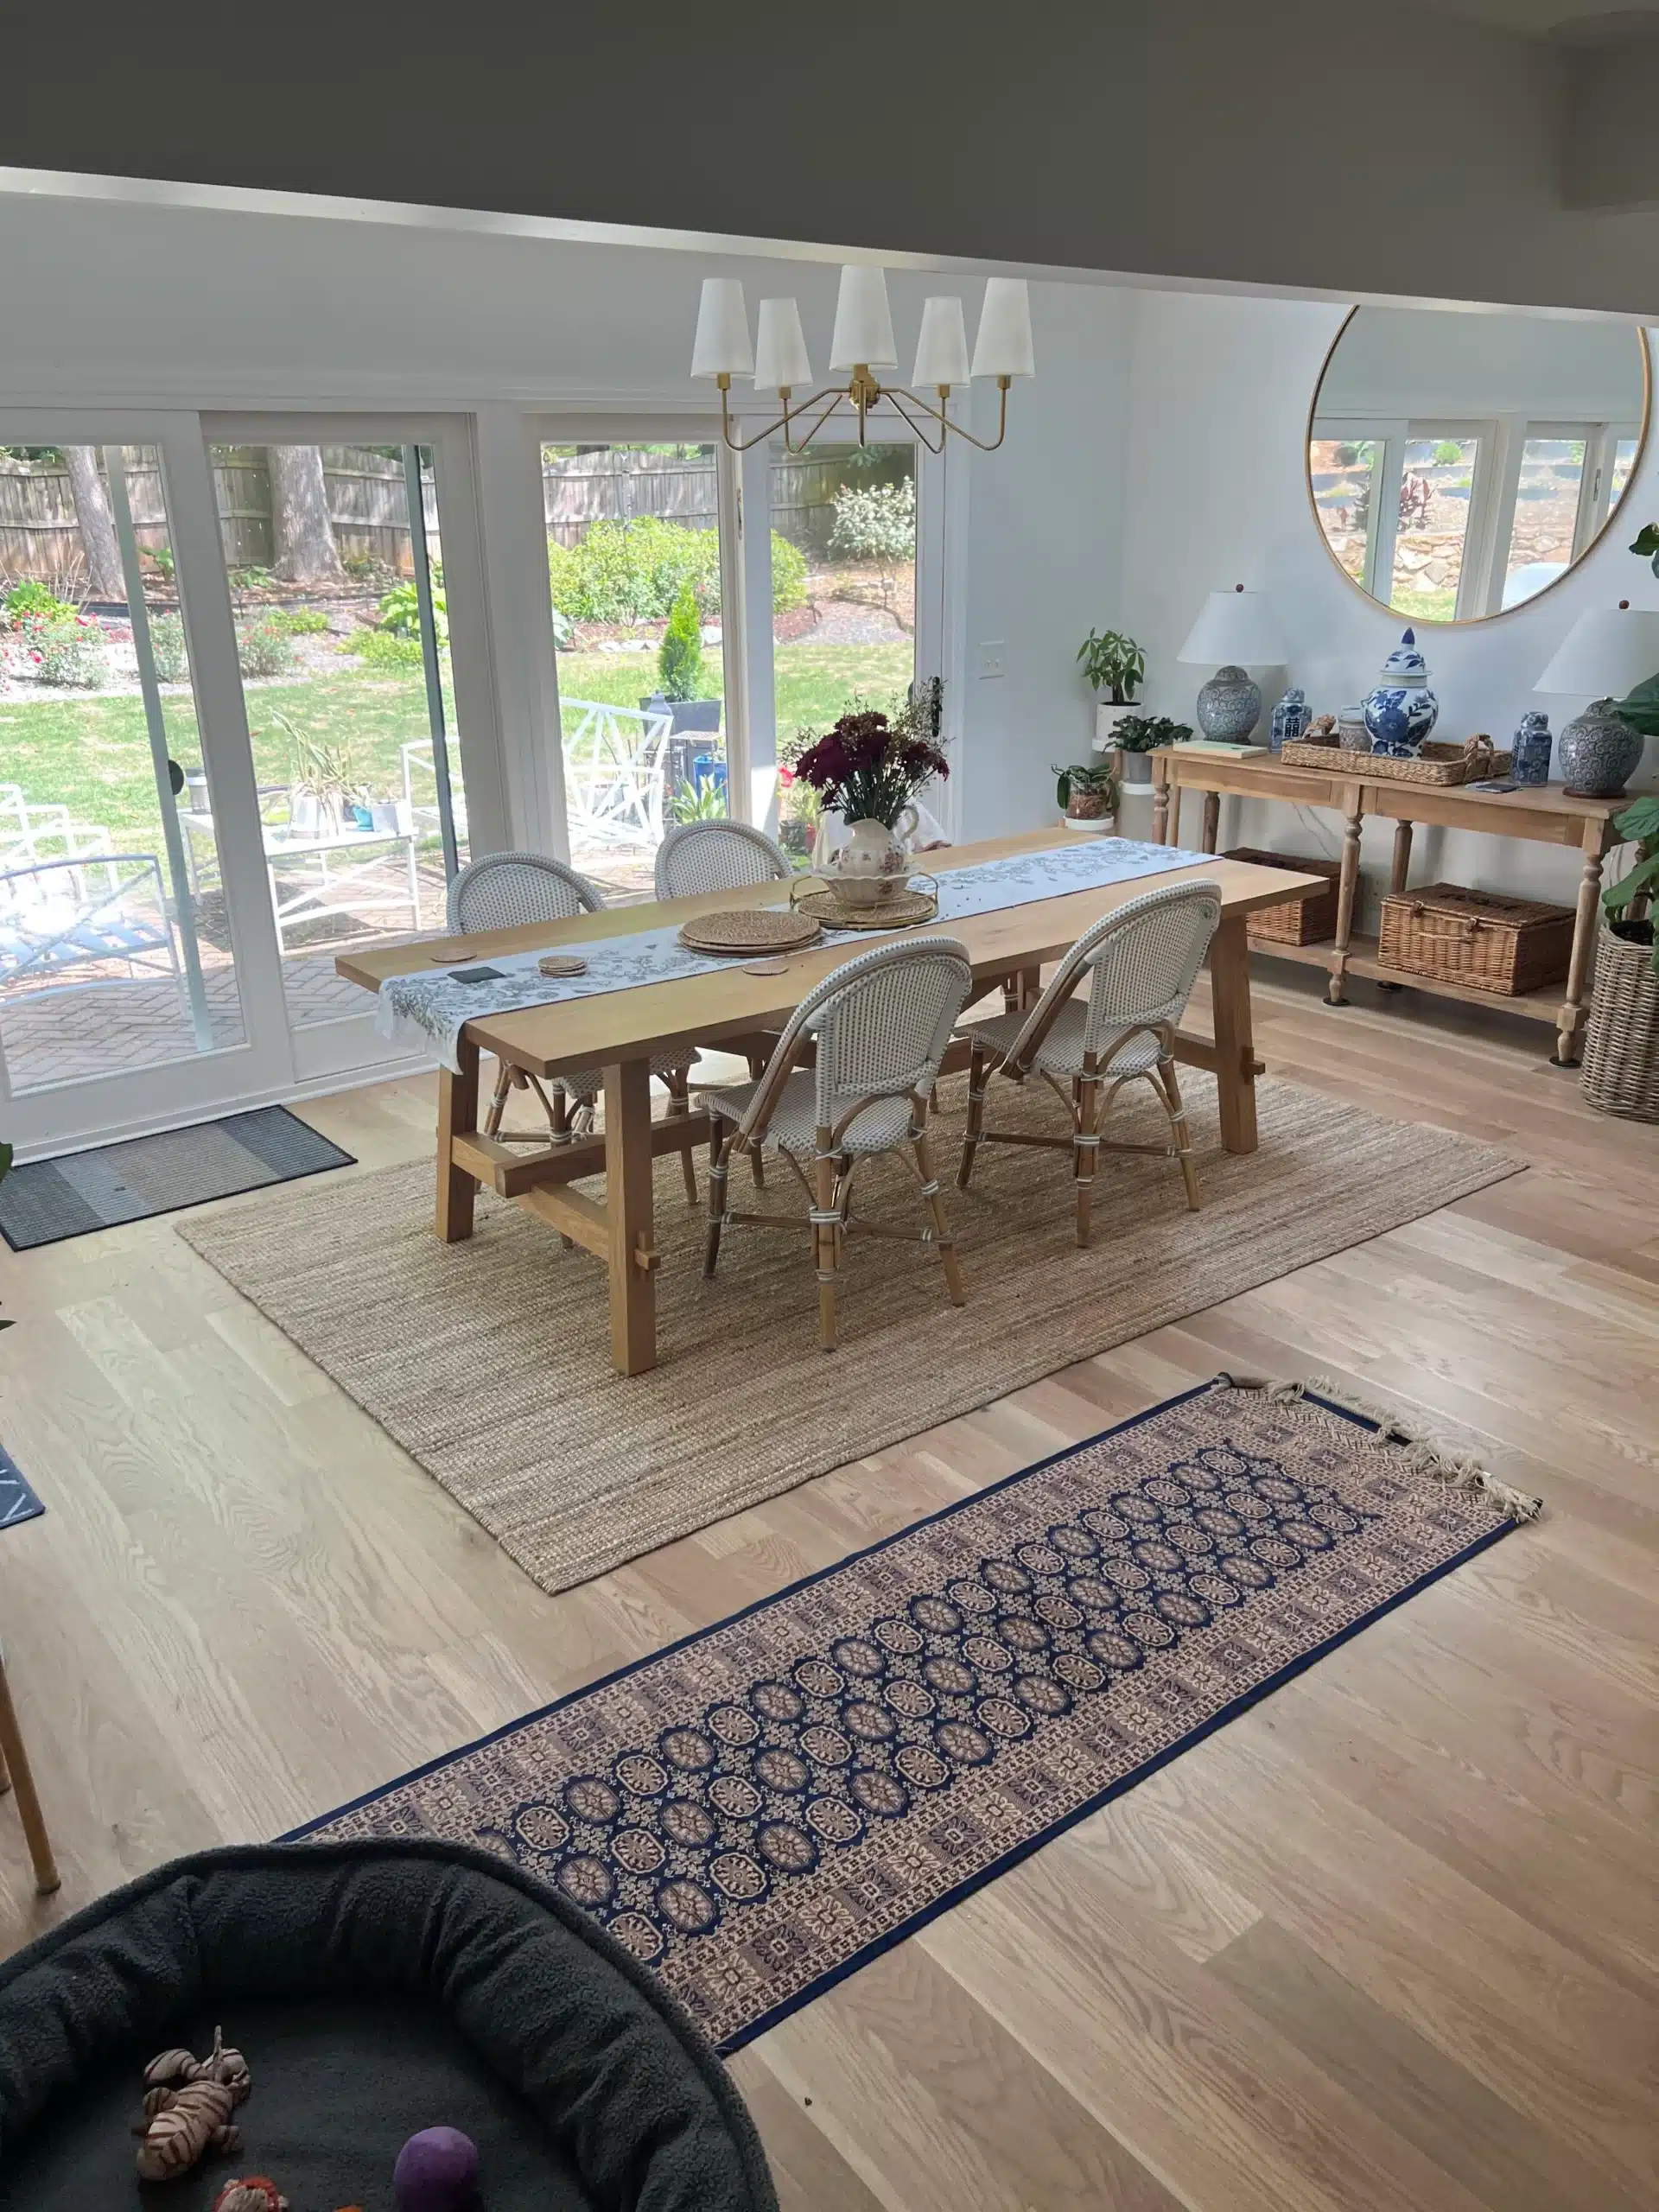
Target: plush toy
pixel 259 2193
pixel 188 2102
pixel 435 2171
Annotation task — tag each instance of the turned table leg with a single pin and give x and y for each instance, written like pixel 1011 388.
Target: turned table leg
pixel 1211 821
pixel 629 1203
pixel 18 1777
pixel 1161 805
pixel 1399 877
pixel 1569 1042
pixel 1229 997
pixel 1348 886
pixel 457 1118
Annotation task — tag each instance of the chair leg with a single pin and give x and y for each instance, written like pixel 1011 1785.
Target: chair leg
pixel 498 1105
pixel 935 1204
pixel 679 1109
pixel 1085 1151
pixel 13 1762
pixel 975 1115
pixel 718 1150
pixel 1171 1091
pixel 826 1241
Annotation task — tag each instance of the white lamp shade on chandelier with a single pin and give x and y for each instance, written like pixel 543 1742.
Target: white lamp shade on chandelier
pixel 780 358
pixel 1606 653
pixel 863 334
pixel 721 348
pixel 941 348
pixel 1235 629
pixel 1003 346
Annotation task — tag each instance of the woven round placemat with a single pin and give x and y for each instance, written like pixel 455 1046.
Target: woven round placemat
pixel 900 911
pixel 751 928
pixel 561 964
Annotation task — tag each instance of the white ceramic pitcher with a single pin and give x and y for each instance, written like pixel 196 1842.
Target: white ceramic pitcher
pixel 872 864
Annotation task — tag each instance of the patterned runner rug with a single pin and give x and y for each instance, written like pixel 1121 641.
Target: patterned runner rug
pixel 762 1807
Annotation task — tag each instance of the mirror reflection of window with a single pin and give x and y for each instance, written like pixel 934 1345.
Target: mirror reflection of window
pixel 1460 463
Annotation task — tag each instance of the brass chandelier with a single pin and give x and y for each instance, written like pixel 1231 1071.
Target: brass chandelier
pixel 862 344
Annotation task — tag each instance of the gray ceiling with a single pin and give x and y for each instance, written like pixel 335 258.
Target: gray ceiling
pixel 1539 18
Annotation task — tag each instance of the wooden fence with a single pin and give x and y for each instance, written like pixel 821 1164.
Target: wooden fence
pixel 615 484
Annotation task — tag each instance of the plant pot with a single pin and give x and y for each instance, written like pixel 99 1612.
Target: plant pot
pixel 1106 721
pixel 1097 825
pixel 1621 1046
pixel 1134 767
pixel 1088 806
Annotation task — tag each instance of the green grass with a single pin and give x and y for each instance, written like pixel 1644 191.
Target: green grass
pixel 93 754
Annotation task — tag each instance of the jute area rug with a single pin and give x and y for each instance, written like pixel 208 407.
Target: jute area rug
pixel 489 1361
pixel 760 1808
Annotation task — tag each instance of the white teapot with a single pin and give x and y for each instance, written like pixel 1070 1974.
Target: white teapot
pixel 872 864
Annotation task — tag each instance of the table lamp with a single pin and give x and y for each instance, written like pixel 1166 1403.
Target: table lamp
pixel 1609 651
pixel 1237 629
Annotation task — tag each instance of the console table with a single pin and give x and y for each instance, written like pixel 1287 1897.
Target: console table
pixel 1543 813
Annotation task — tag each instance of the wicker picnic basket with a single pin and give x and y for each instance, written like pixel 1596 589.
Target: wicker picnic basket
pixel 1621 1047
pixel 1300 921
pixel 1477 938
pixel 1471 762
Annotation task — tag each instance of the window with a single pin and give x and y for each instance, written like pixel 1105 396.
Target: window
pixel 1436 496
pixel 1343 473
pixel 1544 532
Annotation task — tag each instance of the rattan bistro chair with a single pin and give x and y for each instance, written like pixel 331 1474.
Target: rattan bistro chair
pixel 717 857
pixel 503 890
pixel 1139 962
pixel 882 1024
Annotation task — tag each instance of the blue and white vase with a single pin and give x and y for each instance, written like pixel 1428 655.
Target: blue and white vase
pixel 1290 718
pixel 1531 747
pixel 1402 710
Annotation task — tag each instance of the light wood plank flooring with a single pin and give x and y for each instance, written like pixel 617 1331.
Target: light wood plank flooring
pixel 1387 1941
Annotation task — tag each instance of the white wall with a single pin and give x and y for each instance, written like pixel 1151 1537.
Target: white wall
pixel 1423 361
pixel 1219 391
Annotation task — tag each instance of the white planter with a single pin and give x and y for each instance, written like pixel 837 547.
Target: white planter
pixel 1100 825
pixel 1106 721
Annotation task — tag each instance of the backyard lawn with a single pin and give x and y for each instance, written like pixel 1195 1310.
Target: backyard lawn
pixel 92 754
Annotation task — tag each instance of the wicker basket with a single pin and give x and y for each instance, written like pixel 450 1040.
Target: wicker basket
pixel 1439 764
pixel 1477 938
pixel 1621 1048
pixel 1310 920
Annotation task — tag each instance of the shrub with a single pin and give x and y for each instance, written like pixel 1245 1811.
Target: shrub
pixel 69 651
pixel 384 649
pixel 400 612
pixel 635 571
pixel 788 574
pixel 878 526
pixel 262 649
pixel 679 663
pixel 167 648
pixel 296 621
pixel 32 597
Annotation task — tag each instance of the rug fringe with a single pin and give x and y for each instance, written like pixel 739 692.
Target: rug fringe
pixel 1424 1453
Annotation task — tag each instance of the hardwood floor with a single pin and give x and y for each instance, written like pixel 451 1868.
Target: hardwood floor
pixel 1387 1941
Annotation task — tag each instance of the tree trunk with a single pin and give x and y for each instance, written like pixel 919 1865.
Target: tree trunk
pixel 98 538
pixel 302 536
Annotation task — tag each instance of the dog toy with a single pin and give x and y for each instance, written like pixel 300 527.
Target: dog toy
pixel 257 2193
pixel 436 2170
pixel 188 2102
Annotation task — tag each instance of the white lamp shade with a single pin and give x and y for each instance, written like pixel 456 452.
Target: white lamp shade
pixel 780 362
pixel 941 348
pixel 722 345
pixel 1234 628
pixel 1003 346
pixel 863 331
pixel 1606 653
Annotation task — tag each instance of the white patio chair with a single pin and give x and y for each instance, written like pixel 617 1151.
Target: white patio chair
pixel 1141 963
pixel 86 912
pixel 698 857
pixel 613 776
pixel 501 892
pixel 881 1023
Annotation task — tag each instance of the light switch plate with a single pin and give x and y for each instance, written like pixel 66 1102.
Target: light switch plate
pixel 991 658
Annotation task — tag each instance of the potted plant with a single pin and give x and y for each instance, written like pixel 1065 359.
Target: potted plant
pixel 323 786
pixel 1621 1051
pixel 1112 666
pixel 1087 795
pixel 869 769
pixel 679 671
pixel 1138 734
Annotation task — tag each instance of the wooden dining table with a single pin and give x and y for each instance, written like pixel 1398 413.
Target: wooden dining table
pixel 733 1008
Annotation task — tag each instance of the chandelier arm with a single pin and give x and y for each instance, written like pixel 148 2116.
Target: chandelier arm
pixel 910 421
pixel 744 445
pixel 836 399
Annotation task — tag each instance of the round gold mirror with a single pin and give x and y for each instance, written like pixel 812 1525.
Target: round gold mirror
pixel 1461 464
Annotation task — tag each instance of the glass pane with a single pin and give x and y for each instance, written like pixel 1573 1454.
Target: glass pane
pixel 843 595
pixel 338 675
pixel 115 954
pixel 633 569
pixel 1343 473
pixel 1546 516
pixel 1624 452
pixel 1435 489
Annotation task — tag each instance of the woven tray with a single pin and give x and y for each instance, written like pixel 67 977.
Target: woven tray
pixel 1441 765
pixel 903 910
pixel 1479 938
pixel 745 931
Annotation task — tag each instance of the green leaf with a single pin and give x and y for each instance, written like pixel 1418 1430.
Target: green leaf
pixel 1643 877
pixel 1063 791
pixel 1647 542
pixel 1641 709
pixel 1640 820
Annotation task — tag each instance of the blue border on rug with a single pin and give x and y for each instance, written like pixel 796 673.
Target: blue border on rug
pixel 985 1875
pixel 19 1501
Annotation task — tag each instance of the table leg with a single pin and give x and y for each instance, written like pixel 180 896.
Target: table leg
pixel 1569 1040
pixel 457 1118
pixel 1230 994
pixel 15 1769
pixel 628 1197
pixel 1399 878
pixel 1161 803
pixel 1211 821
pixel 1348 886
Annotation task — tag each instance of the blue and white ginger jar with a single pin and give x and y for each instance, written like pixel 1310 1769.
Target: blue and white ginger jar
pixel 1291 718
pixel 1401 712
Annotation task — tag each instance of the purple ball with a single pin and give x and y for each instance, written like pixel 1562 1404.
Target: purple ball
pixel 435 2171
